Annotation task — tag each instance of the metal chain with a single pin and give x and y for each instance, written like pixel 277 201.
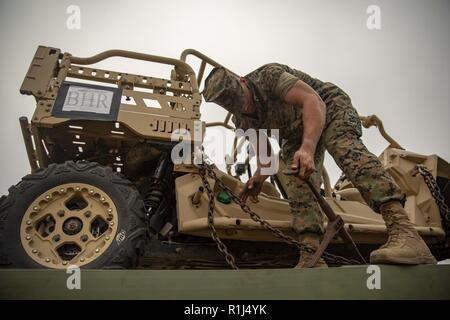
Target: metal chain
pixel 205 171
pixel 436 193
pixel 220 245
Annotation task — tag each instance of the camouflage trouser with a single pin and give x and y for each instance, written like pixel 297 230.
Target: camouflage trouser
pixel 341 138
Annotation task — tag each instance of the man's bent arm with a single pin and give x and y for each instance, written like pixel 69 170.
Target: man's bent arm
pixel 314 112
pixel 314 121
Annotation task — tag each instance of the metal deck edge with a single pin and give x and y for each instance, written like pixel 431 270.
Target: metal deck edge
pixel 396 282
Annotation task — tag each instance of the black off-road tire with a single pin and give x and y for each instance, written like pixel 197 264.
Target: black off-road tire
pixel 130 213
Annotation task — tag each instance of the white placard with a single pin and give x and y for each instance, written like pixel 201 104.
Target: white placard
pixel 88 100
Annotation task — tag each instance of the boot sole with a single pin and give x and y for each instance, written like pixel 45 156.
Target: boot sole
pixel 315 267
pixel 405 261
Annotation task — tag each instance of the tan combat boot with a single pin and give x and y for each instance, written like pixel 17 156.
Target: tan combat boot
pixel 404 245
pixel 313 240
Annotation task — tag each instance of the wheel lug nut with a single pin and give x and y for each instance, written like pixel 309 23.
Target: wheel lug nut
pixel 56 238
pixel 61 213
pixel 64 263
pixel 47 260
pixel 36 208
pixel 28 237
pixel 91 191
pixel 111 223
pixel 81 259
pixel 28 222
pixel 97 250
pixel 77 188
pixel 107 237
pixel 34 251
pixel 102 199
pixel 84 238
pixel 47 197
pixel 87 214
pixel 62 190
pixel 109 210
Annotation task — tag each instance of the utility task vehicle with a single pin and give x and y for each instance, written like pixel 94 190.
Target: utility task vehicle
pixel 104 193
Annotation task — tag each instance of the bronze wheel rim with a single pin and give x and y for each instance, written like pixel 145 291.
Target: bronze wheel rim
pixel 71 224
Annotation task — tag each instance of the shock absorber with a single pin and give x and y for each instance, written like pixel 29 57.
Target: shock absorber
pixel 155 199
pixel 152 200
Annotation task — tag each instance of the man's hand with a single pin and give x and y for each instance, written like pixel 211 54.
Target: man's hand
pixel 252 187
pixel 303 159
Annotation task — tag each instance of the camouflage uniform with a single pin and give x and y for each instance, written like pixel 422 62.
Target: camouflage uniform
pixel 341 137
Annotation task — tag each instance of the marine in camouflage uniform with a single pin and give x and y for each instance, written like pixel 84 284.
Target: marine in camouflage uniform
pixel 341 137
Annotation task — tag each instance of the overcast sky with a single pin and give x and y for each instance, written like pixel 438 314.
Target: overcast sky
pixel 401 72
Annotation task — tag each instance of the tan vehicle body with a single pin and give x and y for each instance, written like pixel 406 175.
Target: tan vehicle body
pixel 154 108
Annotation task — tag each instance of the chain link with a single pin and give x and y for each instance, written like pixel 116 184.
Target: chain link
pixel 436 193
pixel 220 245
pixel 207 170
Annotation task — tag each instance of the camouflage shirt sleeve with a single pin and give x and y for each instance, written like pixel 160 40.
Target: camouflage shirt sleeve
pixel 284 84
pixel 275 80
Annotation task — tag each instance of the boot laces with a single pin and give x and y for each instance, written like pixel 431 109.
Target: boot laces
pixel 394 235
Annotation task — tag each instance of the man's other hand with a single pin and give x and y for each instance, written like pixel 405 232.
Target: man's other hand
pixel 252 187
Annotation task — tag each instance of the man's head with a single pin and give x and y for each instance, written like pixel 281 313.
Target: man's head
pixel 227 90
